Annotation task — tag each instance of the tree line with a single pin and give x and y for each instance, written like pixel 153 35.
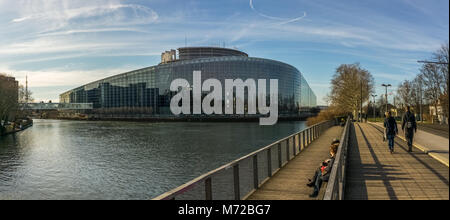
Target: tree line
pixel 430 86
pixel 352 86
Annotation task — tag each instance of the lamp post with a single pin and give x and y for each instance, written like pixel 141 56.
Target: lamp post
pixel 388 85
pixel 373 95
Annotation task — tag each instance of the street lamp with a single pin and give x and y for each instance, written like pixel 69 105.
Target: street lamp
pixel 388 85
pixel 373 106
pixel 420 95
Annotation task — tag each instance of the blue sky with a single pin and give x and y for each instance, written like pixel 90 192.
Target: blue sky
pixel 66 43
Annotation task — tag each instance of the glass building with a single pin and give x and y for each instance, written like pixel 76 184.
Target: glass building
pixel 147 91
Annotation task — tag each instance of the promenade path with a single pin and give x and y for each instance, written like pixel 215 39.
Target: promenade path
pixel 374 173
pixel 289 183
pixel 436 146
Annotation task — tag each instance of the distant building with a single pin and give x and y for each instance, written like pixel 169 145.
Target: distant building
pixel 146 91
pixel 438 113
pixel 9 93
pixel 10 83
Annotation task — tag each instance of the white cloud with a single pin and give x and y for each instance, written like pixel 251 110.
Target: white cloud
pixel 63 11
pixel 283 20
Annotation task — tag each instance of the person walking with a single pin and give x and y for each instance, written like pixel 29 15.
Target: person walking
pixel 409 126
pixel 391 130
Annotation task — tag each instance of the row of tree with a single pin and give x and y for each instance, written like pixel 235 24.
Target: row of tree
pixel 352 85
pixel 430 86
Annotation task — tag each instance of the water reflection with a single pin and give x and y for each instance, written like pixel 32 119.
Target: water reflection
pixel 121 160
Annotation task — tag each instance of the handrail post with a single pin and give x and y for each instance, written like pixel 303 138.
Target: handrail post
pixel 294 145
pixel 287 150
pixel 317 130
pixel 303 139
pixel 309 136
pixel 269 162
pixel 236 182
pixel 208 189
pixel 279 155
pixel 255 172
pixel 314 132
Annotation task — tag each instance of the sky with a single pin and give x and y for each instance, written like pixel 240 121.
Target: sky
pixel 63 44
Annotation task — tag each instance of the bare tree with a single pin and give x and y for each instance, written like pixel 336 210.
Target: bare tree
pixel 350 85
pixel 25 95
pixel 432 81
pixel 442 56
pixel 417 94
pixel 404 92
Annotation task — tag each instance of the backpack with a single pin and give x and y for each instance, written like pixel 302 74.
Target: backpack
pixel 409 121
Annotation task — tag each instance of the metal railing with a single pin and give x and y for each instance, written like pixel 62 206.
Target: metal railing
pixel 336 183
pixel 239 179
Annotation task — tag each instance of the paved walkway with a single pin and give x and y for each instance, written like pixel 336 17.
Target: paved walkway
pixel 290 182
pixel 435 145
pixel 375 174
pixel 436 129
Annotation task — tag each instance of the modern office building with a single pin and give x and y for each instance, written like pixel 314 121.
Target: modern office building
pixel 147 91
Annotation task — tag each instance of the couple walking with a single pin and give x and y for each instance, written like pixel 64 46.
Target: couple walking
pixel 409 126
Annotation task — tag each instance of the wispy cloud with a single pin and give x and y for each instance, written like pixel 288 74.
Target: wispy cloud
pixel 282 20
pixel 67 11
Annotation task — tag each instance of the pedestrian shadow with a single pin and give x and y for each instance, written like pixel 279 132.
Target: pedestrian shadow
pixel 360 173
pixel 402 144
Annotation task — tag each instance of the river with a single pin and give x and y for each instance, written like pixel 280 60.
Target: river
pixel 122 160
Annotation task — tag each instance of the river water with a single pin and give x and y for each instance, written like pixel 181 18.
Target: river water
pixel 122 160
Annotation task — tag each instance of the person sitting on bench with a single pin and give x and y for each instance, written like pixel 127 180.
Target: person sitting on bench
pixel 323 172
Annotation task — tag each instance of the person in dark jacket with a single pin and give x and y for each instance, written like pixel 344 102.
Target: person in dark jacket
pixel 391 130
pixel 409 126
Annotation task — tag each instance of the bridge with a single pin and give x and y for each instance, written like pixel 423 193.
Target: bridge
pixel 363 169
pixel 55 106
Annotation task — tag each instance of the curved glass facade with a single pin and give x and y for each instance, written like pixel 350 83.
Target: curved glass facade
pixel 147 91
